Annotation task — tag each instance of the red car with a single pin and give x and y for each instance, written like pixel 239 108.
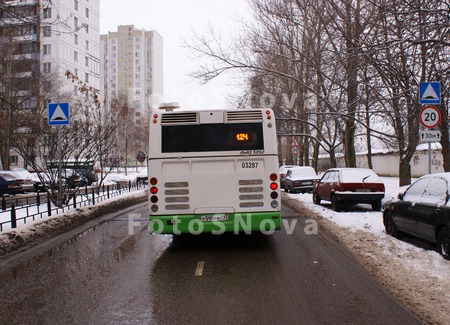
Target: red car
pixel 348 186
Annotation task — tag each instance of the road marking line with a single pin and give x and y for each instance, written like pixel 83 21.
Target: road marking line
pixel 199 269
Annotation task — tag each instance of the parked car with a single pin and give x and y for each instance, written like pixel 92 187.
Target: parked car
pixel 25 175
pixel 423 211
pixel 282 173
pixel 41 181
pixel 300 179
pixel 348 186
pixel 9 183
pixel 73 179
pixel 89 175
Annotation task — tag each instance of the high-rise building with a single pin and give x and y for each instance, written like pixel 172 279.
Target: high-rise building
pixel 70 35
pixel 42 42
pixel 56 37
pixel 132 67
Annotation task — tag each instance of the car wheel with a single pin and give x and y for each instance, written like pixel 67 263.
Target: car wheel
pixel 444 243
pixel 335 204
pixel 376 205
pixel 316 199
pixel 389 225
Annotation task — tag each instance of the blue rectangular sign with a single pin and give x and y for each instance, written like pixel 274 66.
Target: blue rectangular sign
pixel 430 92
pixel 58 114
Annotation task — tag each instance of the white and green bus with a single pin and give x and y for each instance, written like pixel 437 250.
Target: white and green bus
pixel 213 171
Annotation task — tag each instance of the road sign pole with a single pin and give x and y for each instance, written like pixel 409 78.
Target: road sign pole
pixel 59 167
pixel 429 157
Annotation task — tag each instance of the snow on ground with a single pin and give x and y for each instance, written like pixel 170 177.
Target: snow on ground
pixel 411 270
pixel 110 179
pixel 416 276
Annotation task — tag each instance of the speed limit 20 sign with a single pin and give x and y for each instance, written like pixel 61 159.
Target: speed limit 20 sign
pixel 430 117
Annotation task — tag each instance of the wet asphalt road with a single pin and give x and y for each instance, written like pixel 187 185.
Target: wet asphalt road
pixel 116 273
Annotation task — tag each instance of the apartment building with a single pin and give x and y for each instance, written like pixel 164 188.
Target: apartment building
pixel 132 66
pixel 70 35
pixel 41 41
pixel 53 37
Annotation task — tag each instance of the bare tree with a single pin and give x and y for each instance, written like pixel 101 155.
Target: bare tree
pixel 406 46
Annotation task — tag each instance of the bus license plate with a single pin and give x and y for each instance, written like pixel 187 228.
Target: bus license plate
pixel 214 217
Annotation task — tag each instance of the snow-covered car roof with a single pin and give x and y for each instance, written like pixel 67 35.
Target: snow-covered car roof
pixel 445 176
pixel 358 175
pixel 301 172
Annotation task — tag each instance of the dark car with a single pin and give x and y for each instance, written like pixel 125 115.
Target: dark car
pixel 300 179
pixel 10 184
pixel 88 175
pixel 423 211
pixel 347 186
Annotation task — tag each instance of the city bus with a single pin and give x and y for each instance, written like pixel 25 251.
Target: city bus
pixel 213 171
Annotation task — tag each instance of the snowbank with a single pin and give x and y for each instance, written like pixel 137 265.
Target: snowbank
pixel 23 238
pixel 417 276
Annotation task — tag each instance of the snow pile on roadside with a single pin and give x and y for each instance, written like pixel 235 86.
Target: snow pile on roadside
pixel 417 277
pixel 50 227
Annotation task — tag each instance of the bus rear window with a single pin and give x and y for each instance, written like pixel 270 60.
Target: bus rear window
pixel 212 137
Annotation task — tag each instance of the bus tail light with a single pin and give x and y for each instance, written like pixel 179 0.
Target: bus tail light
pixel 154 190
pixel 274 187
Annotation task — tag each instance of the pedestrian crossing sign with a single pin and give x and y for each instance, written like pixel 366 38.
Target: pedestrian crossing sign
pixel 58 114
pixel 430 93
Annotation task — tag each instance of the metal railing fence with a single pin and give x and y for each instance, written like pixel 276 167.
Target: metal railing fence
pixel 38 205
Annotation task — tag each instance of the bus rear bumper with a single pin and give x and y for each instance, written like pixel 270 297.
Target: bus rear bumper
pixel 264 222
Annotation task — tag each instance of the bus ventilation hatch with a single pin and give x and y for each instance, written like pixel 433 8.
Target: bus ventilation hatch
pixel 177 195
pixel 245 115
pixel 179 118
pixel 251 193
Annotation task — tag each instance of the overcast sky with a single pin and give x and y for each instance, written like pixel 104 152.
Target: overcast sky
pixel 175 20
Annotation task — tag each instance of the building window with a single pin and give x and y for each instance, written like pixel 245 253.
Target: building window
pixel 87 45
pixel 86 61
pixel 75 56
pixel 47 13
pixel 86 26
pixel 47 31
pixel 75 72
pixel 47 86
pixel 75 22
pixel 87 12
pixel 47 48
pixel 13 160
pixel 75 39
pixel 47 67
pixel 75 4
pixel 86 77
